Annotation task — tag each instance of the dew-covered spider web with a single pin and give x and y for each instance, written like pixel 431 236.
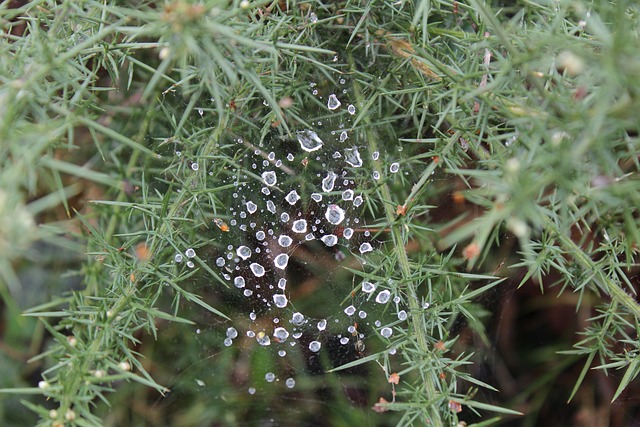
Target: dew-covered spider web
pixel 292 225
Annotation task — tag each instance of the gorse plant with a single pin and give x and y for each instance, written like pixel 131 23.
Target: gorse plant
pixel 286 209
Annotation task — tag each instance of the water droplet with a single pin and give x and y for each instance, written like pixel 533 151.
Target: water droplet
pixel 351 109
pixel 347 195
pixel 402 315
pixel 243 252
pixel 329 240
pixel 280 300
pixel 386 332
pixel 349 311
pixel 232 333
pixel 309 140
pixel 194 166
pixel 263 339
pixel 313 18
pixel 394 168
pixel 376 175
pixel 285 241
pixel 270 376
pixel 362 314
pixel 284 217
pixel 290 383
pixel 426 305
pixel 292 197
pixel 282 283
pixel 178 258
pixel 281 261
pixel 269 178
pixel 328 182
pixel 297 319
pixel 251 390
pixel 190 253
pixel 227 342
pixel 257 269
pixel 365 247
pixel 299 226
pixel 239 282
pixel 281 334
pixel 344 340
pixel 383 297
pixel 271 207
pixel 190 264
pixel 347 233
pixel 220 261
pixel 316 197
pixel 333 102
pixel 322 325
pixel 309 236
pixel 343 136
pixel 315 346
pixel 251 207
pixel 368 287
pixel 375 155
pixel 260 235
pixel 334 214
pixel 352 156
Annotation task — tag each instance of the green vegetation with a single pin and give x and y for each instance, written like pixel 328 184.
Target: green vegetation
pixel 128 128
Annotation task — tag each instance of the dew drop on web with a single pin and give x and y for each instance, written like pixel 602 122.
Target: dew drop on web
pixel 333 102
pixel 329 240
pixel 328 182
pixel 281 334
pixel 347 233
pixel 315 346
pixel 316 197
pixel 292 197
pixel 365 247
pixel 322 325
pixel 351 109
pixel 257 269
pixel 263 339
pixel 285 241
pixel 297 318
pixel 334 214
pixel 299 226
pixel 386 332
pixel 394 168
pixel 350 311
pixel 347 195
pixel 352 157
pixel 383 297
pixel 281 261
pixel 280 300
pixel 309 140
pixel 368 287
pixel 251 207
pixel 269 178
pixel 243 252
pixel 290 383
pixel 239 282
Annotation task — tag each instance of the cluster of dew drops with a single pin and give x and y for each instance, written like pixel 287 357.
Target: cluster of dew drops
pixel 271 224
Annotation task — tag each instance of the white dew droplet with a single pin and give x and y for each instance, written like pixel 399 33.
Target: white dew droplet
pixel 344 340
pixel 270 377
pixel 315 346
pixel 322 325
pixel 281 334
pixel 352 156
pixel 350 311
pixel 194 166
pixel 263 339
pixel 351 109
pixel 347 195
pixel 333 102
pixel 284 217
pixel 368 287
pixel 402 315
pixel 281 261
pixel 257 269
pixel 383 297
pixel 329 239
pixel 394 168
pixel 178 258
pixel 260 235
pixel 365 247
pixel 347 233
pixel 316 197
pixel 343 136
pixel 282 283
pixel 375 155
pixel 362 314
pixel 251 207
pixel 386 332
pixel 376 175
pixel 357 201
pixel 299 226
pixel 220 261
pixel 334 214
pixel 190 253
pixel 290 383
pixel 243 252
pixel 292 197
pixel 329 181
pixel 271 207
pixel 285 241
pixel 239 282
pixel 269 178
pixel 309 140
pixel 280 300
pixel 297 318
pixel 232 333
